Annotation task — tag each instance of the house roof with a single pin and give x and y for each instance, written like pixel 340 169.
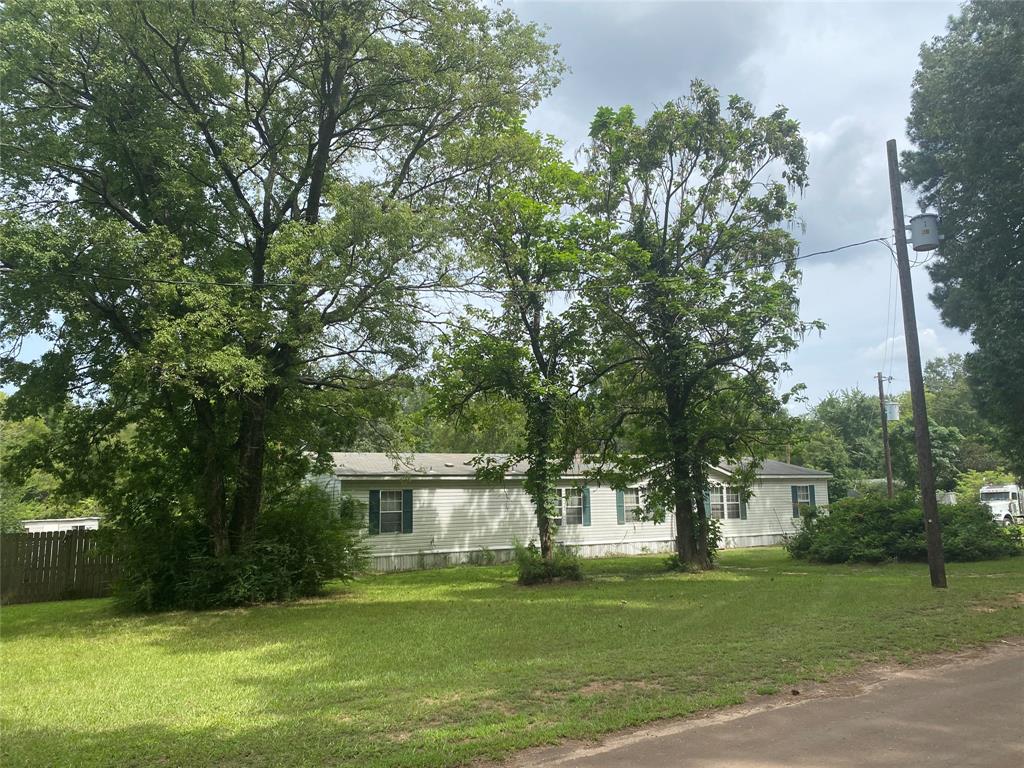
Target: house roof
pixel 408 464
pixel 772 468
pixel 462 465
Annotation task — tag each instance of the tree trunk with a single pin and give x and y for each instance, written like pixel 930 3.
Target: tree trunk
pixel 211 493
pixel 546 531
pixel 214 501
pixel 684 532
pixel 682 482
pixel 539 483
pixel 252 446
pixel 699 482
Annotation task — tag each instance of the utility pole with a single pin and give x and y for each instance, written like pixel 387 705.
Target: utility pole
pixel 885 437
pixel 925 468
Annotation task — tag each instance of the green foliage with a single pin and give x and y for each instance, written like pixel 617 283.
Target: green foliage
pixel 697 316
pixel 482 556
pixel 30 486
pixel 533 568
pixel 533 345
pixel 951 403
pixel 303 540
pixel 489 423
pixel 853 416
pixel 967 122
pixel 842 434
pixel 969 484
pixel 875 529
pixel 946 443
pixel 221 219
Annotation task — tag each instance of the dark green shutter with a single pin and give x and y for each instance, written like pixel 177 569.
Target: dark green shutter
pixel 811 489
pixel 796 499
pixel 743 507
pixel 407 510
pixel 620 507
pixel 374 512
pixel 586 506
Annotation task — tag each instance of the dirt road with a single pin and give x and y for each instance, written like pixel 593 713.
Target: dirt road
pixel 965 710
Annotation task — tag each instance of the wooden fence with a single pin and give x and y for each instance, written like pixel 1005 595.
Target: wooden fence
pixel 53 565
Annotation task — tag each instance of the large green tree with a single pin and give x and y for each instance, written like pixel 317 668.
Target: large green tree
pixel 533 343
pixel 946 442
pixel 854 417
pixel 702 293
pixel 30 485
pixel 222 216
pixel 951 403
pixel 967 122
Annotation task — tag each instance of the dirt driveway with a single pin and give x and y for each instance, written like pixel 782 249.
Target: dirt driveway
pixel 960 710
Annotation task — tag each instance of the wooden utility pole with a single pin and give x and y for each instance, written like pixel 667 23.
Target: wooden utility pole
pixel 885 437
pixel 925 468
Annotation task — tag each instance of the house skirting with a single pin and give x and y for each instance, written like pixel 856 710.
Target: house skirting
pixel 387 563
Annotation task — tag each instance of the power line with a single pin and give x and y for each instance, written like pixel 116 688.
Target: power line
pixel 465 288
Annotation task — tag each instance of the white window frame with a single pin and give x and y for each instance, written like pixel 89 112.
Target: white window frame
pixel 717 493
pixel 564 508
pixel 725 503
pixel 803 498
pixel 631 508
pixel 733 505
pixel 390 495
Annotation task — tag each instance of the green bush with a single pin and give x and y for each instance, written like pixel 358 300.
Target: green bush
pixel 532 568
pixel 874 529
pixel 303 539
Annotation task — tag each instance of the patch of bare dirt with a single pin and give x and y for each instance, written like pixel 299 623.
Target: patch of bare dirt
pixel 611 686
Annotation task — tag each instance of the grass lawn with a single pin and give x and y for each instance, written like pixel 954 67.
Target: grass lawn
pixel 439 667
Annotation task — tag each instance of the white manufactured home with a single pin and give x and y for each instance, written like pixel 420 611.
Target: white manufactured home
pixel 429 509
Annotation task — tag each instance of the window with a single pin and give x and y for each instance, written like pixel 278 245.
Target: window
pixel 725 503
pixel 631 504
pixel 732 504
pixel 995 496
pixel 803 495
pixel 717 502
pixel 572 506
pixel 390 511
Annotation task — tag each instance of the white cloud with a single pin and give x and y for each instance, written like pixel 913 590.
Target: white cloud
pixel 844 71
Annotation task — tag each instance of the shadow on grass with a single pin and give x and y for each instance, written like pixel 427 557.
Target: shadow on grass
pixel 433 668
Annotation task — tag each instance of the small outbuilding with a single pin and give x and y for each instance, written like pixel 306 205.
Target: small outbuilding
pixel 62 524
pixel 430 509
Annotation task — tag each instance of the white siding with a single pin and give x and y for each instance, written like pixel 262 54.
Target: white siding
pixel 61 524
pixel 455 519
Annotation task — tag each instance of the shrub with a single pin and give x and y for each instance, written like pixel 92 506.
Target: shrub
pixel 874 529
pixel 482 556
pixel 534 569
pixel 303 539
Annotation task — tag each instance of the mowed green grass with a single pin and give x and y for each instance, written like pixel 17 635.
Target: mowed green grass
pixel 439 667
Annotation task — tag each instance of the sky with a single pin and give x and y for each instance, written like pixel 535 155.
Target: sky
pixel 844 70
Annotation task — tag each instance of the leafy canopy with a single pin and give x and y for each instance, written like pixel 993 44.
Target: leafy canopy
pixel 702 295
pixel 225 219
pixel 967 122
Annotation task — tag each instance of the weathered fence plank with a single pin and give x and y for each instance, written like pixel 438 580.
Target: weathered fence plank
pixel 53 565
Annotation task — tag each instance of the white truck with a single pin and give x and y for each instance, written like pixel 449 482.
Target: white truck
pixel 1004 501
